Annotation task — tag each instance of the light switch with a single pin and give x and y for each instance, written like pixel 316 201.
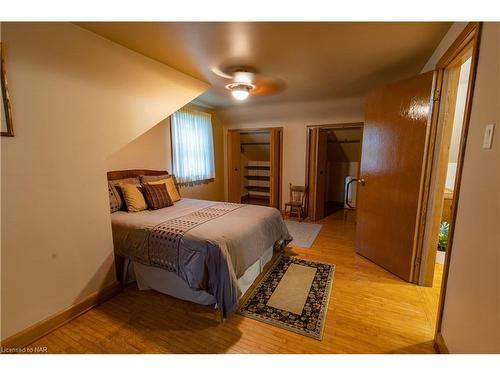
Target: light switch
pixel 488 136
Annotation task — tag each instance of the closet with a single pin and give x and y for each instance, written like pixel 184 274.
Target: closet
pixel 254 166
pixel 334 154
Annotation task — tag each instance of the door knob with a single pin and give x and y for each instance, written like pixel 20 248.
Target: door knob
pixel 362 181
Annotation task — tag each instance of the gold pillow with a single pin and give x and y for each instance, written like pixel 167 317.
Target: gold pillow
pixel 134 199
pixel 171 189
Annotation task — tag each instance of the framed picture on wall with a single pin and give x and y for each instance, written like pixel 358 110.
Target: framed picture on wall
pixel 7 126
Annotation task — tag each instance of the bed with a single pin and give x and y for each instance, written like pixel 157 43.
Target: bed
pixel 202 251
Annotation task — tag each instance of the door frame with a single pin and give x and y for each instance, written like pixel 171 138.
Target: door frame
pixel 468 38
pixel 263 129
pixel 231 148
pixel 344 125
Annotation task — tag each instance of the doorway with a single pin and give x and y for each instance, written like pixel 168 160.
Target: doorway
pixel 334 154
pixel 254 166
pixel 455 77
pixel 457 83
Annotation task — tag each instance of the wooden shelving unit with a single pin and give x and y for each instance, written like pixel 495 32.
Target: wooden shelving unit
pixel 258 200
pixel 264 189
pixel 258 168
pixel 258 178
pixel 257 183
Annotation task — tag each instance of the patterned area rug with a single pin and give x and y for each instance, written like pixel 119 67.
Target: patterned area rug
pixel 303 234
pixel 294 295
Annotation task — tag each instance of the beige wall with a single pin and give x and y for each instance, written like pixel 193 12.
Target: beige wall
pixel 445 43
pixel 153 150
pixel 76 99
pixel 471 317
pixel 294 118
pixel 471 320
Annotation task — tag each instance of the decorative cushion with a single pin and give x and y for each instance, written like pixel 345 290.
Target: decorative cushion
pixel 156 196
pixel 134 199
pixel 171 188
pixel 148 179
pixel 116 201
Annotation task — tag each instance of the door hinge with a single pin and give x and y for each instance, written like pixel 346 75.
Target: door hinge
pixel 437 96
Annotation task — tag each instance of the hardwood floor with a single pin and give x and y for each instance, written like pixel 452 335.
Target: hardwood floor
pixel 370 311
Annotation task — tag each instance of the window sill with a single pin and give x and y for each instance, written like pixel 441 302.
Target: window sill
pixel 197 182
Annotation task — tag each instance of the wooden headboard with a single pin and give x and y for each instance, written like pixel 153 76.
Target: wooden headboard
pixel 128 173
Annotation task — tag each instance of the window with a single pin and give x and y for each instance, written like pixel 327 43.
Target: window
pixel 192 146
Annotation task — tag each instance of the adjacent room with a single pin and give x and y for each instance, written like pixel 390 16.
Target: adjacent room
pixel 250 187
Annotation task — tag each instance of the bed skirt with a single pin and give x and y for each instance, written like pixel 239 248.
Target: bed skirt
pixel 166 282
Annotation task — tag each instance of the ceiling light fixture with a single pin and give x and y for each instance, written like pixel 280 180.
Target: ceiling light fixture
pixel 240 91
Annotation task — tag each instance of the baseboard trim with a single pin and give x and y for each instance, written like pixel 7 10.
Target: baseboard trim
pixel 440 345
pixel 42 328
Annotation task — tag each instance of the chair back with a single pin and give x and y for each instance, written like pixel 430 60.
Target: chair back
pixel 298 193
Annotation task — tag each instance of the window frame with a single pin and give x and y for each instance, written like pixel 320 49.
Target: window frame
pixel 194 182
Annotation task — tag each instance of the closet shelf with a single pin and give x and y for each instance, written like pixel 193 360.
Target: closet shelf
pixel 258 167
pixel 256 199
pixel 344 141
pixel 258 178
pixel 258 188
pixel 260 197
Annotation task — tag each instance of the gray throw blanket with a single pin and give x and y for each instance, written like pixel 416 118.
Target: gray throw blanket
pixel 208 244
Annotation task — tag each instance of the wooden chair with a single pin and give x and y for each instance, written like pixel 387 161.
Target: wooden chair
pixel 297 201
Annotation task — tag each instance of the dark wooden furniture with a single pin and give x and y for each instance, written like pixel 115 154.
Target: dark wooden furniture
pixel 297 201
pixel 129 173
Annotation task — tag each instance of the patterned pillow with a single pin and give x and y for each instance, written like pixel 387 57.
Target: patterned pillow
pixel 153 179
pixel 156 196
pixel 171 188
pixel 116 201
pixel 147 179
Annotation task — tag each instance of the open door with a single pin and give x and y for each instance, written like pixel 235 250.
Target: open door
pixel 317 172
pixel 234 161
pixel 394 143
pixel 275 160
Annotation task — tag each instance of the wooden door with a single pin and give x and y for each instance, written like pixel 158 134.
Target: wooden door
pixel 275 161
pixel 311 171
pixel 397 118
pixel 317 172
pixel 234 166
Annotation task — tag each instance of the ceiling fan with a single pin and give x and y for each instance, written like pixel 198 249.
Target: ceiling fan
pixel 246 81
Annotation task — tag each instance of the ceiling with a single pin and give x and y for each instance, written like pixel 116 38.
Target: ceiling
pixel 312 61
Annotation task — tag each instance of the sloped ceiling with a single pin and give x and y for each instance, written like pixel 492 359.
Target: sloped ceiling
pixel 344 144
pixel 315 61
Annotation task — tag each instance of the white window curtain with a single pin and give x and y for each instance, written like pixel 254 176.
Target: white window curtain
pixel 192 146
